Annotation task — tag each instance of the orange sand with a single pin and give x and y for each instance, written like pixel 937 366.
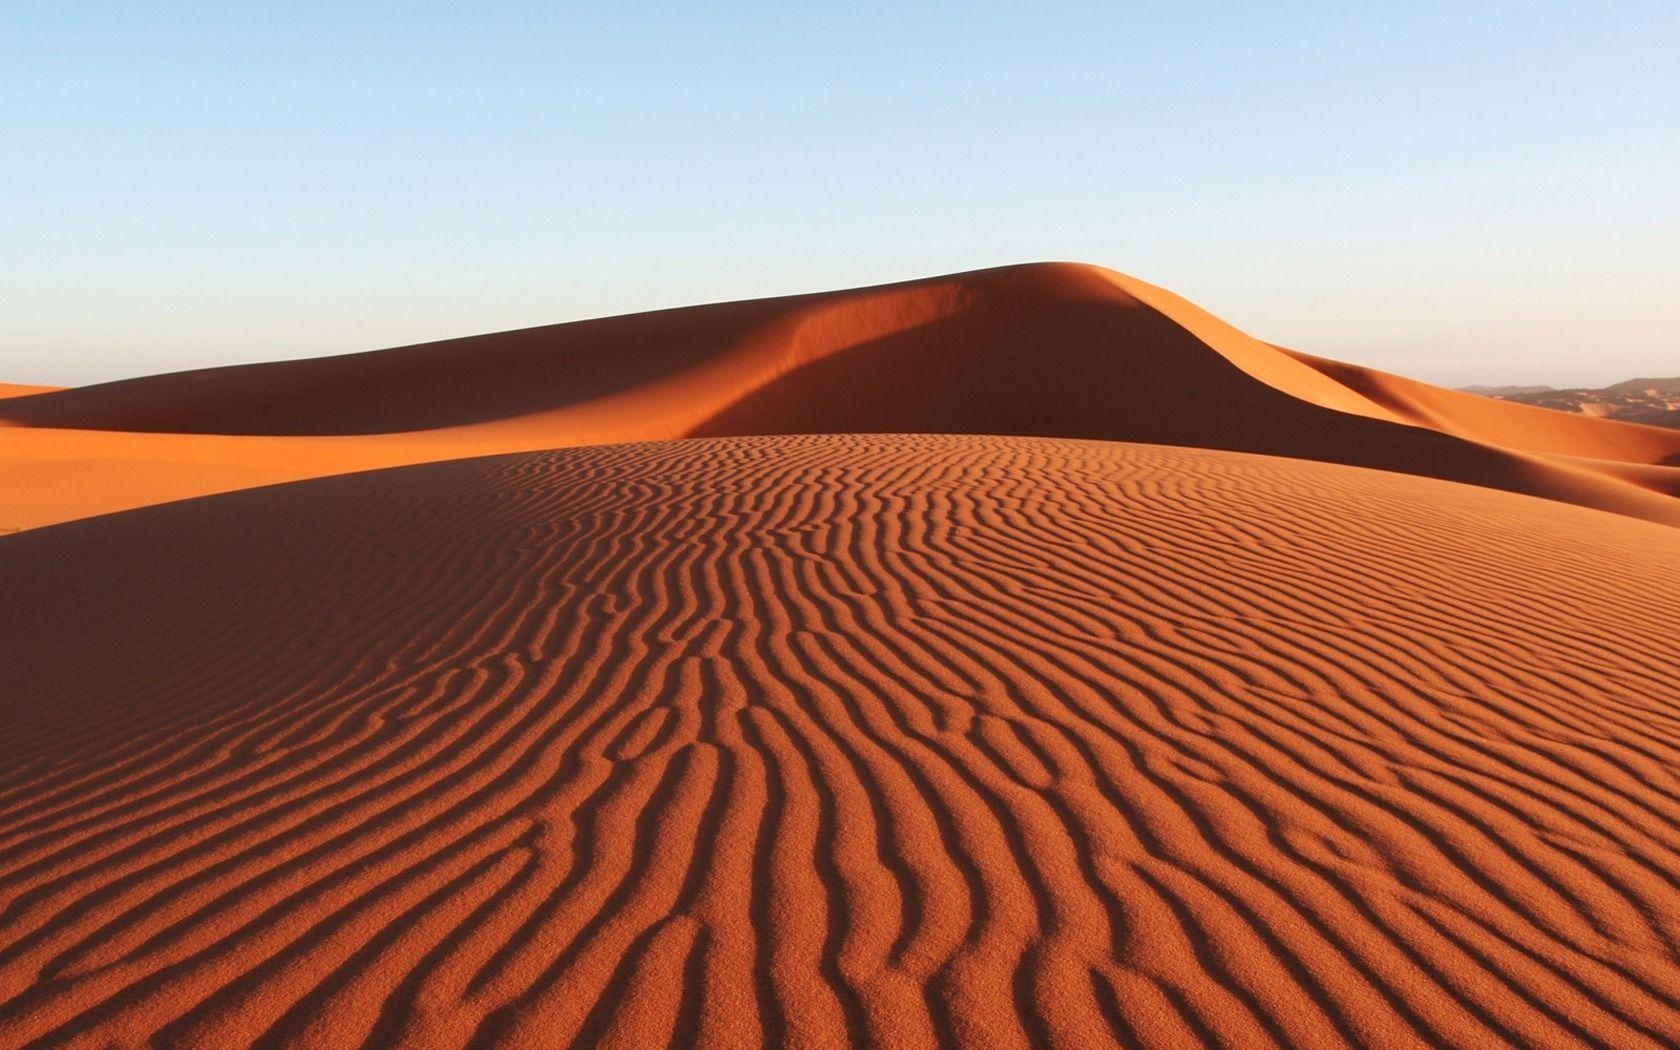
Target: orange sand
pixel 829 738
pixel 917 739
pixel 24 390
pixel 1053 349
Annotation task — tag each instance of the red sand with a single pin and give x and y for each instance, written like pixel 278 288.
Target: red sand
pixel 915 740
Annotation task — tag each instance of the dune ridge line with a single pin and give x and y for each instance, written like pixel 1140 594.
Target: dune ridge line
pixel 1049 349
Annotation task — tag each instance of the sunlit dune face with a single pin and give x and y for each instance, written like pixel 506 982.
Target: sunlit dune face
pixel 1055 349
pixel 817 740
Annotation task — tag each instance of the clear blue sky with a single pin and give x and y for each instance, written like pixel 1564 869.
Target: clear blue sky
pixel 1461 192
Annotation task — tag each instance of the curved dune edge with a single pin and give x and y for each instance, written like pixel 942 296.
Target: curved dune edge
pixel 25 390
pixel 974 741
pixel 1055 349
pixel 1505 423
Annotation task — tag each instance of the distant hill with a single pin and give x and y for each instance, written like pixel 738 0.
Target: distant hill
pixel 1654 402
pixel 1505 391
pixel 1646 387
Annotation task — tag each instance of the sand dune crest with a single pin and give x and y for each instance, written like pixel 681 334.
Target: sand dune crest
pixel 1056 349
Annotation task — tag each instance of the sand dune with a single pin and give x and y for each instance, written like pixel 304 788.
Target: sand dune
pixel 24 390
pixel 1018 658
pixel 925 740
pixel 1049 350
pixel 1507 423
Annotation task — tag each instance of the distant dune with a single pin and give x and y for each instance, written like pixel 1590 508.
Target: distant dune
pixel 1059 350
pixel 1505 391
pixel 1655 402
pixel 1021 658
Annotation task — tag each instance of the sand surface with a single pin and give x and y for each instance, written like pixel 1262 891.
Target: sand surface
pixel 1120 701
pixel 24 390
pixel 1051 349
pixel 919 740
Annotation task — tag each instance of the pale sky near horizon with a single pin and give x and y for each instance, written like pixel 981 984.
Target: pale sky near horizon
pixel 1464 193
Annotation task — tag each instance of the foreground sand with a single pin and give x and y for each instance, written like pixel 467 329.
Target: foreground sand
pixel 923 740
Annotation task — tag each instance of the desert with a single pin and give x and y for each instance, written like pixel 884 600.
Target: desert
pixel 1022 657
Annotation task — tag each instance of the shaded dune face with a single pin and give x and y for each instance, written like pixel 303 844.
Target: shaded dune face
pixel 919 740
pixel 1055 349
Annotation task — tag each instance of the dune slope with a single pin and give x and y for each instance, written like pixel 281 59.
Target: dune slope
pixel 927 740
pixel 1060 350
pixel 24 390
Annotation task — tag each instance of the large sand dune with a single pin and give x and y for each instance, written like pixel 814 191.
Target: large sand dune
pixel 922 740
pixel 1050 350
pixel 965 678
